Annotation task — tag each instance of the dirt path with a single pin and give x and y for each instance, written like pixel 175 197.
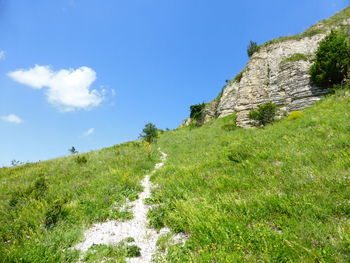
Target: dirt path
pixel 112 232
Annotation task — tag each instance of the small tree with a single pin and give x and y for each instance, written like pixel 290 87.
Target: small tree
pixel 196 110
pixel 197 113
pixel 332 60
pixel 252 48
pixel 149 133
pixel 16 163
pixel 73 150
pixel 264 114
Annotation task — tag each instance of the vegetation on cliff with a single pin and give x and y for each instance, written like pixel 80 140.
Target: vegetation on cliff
pixel 332 60
pixel 321 27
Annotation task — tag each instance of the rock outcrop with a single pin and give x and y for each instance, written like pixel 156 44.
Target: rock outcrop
pixel 271 76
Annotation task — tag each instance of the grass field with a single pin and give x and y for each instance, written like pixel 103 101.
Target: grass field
pixel 45 206
pixel 277 194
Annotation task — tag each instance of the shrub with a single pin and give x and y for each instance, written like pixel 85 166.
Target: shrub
pixel 53 213
pixel 197 114
pixel 332 60
pixel 264 114
pixel 81 160
pixel 295 115
pixel 252 48
pixel 149 133
pixel 39 188
pixel 196 111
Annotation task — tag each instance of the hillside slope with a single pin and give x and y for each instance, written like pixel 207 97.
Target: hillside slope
pixel 46 206
pixel 278 194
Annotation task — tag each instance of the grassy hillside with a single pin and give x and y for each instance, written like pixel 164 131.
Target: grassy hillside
pixel 278 194
pixel 46 205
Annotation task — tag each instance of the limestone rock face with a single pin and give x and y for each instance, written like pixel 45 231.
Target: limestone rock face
pixel 268 78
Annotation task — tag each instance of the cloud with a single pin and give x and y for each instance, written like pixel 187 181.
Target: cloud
pixel 12 118
pixel 2 54
pixel 89 132
pixel 69 89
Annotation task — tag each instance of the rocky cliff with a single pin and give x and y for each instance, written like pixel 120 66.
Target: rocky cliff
pixel 278 72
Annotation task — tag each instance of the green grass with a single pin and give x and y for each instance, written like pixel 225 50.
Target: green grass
pixel 333 21
pixel 277 194
pixel 46 206
pixel 295 57
pixel 111 254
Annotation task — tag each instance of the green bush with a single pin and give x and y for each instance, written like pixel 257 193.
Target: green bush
pixel 264 114
pixel 252 48
pixel 196 111
pixel 197 114
pixel 332 60
pixel 53 213
pixel 81 160
pixel 149 133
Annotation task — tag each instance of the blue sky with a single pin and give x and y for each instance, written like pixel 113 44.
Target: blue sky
pixel 91 73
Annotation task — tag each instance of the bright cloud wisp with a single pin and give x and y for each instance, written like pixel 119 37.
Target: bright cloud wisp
pixel 12 118
pixel 2 54
pixel 69 89
pixel 89 132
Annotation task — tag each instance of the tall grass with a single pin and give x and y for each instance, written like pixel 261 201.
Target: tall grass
pixel 45 206
pixel 277 194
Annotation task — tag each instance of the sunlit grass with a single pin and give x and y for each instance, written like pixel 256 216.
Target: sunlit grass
pixel 278 194
pixel 45 206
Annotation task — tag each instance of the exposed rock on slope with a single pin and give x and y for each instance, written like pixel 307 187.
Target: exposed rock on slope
pixel 272 75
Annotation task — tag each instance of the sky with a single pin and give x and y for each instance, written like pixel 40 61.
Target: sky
pixel 92 73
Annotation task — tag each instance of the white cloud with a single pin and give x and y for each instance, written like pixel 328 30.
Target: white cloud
pixel 2 54
pixel 89 132
pixel 69 89
pixel 12 118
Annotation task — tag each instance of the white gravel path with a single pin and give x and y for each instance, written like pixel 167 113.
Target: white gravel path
pixel 112 232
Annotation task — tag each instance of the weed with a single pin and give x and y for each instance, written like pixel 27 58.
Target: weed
pixel 295 115
pixel 156 217
pixel 133 251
